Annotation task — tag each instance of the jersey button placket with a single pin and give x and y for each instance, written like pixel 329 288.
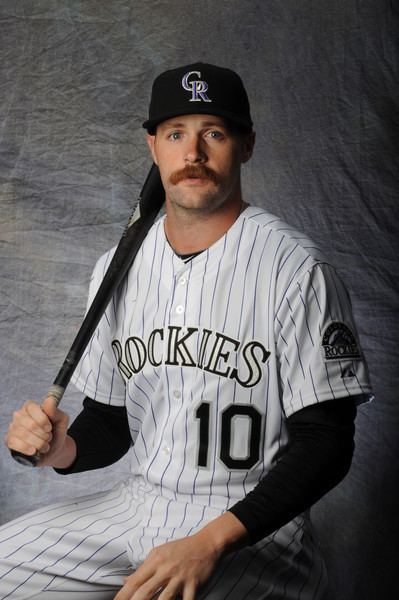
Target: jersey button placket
pixel 180 316
pixel 180 295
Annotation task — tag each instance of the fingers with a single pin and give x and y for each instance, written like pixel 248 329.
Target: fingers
pixel 30 430
pixel 142 586
pixel 172 592
pixel 148 591
pixel 189 592
pixel 171 571
pixel 151 590
pixel 134 583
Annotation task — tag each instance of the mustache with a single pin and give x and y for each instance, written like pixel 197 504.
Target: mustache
pixel 194 171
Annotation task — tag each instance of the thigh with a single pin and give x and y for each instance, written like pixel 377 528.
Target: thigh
pixel 75 544
pixel 277 568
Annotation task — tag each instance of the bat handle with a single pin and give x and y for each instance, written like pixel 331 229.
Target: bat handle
pixel 56 391
pixel 25 459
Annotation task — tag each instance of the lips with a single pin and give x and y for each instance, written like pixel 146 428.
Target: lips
pixel 195 179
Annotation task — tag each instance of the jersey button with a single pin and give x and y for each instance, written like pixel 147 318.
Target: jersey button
pixel 177 394
pixel 180 309
pixel 183 281
pixel 166 450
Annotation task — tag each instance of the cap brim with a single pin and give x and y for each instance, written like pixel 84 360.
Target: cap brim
pixel 151 124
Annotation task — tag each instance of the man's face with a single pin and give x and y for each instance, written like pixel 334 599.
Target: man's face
pixel 199 159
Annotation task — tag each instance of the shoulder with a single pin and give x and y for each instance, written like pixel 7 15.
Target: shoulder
pixel 151 239
pixel 292 252
pixel 286 235
pixel 102 265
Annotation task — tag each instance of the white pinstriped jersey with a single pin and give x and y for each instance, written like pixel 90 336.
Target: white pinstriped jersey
pixel 211 357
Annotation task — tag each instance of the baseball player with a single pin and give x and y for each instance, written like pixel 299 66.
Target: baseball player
pixel 227 365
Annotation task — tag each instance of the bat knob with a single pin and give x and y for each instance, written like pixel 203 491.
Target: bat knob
pixel 24 459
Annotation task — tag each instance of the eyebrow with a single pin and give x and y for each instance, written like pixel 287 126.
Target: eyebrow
pixel 218 123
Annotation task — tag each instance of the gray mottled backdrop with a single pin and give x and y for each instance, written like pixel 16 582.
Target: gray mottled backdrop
pixel 323 81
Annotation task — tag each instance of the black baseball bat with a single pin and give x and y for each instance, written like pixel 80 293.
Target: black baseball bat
pixel 150 201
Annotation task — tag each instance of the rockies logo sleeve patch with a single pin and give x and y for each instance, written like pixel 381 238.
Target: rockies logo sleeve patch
pixel 339 343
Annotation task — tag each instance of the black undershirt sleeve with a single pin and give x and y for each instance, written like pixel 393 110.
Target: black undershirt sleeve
pixel 317 458
pixel 102 436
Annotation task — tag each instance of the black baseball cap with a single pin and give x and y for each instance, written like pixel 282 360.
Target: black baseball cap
pixel 199 88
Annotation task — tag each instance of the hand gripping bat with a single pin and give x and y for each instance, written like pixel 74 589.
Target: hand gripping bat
pixel 150 201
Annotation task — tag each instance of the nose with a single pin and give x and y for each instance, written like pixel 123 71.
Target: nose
pixel 194 151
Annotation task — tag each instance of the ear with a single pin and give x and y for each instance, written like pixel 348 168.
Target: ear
pixel 248 144
pixel 151 144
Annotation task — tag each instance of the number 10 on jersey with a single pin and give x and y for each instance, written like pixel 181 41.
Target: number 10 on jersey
pixel 240 436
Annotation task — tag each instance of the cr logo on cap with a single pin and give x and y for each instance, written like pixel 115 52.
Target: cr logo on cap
pixel 196 87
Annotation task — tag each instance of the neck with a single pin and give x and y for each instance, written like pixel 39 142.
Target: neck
pixel 188 233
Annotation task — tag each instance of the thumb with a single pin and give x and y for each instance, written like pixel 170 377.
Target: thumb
pixel 49 406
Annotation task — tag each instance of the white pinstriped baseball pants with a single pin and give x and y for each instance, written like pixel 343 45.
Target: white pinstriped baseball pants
pixel 82 549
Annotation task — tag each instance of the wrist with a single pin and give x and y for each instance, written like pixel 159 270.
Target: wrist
pixel 225 533
pixel 64 457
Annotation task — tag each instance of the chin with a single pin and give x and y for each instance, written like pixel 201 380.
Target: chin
pixel 191 201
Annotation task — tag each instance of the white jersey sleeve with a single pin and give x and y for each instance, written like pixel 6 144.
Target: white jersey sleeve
pixel 317 345
pixel 97 375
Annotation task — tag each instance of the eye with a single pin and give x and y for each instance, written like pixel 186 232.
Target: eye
pixel 175 135
pixel 215 134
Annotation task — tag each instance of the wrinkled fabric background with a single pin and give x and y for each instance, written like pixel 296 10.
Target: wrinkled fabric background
pixel 323 82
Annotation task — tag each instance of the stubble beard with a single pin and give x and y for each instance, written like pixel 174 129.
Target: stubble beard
pixel 195 201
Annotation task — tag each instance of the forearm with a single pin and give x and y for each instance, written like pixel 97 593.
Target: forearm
pixel 318 457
